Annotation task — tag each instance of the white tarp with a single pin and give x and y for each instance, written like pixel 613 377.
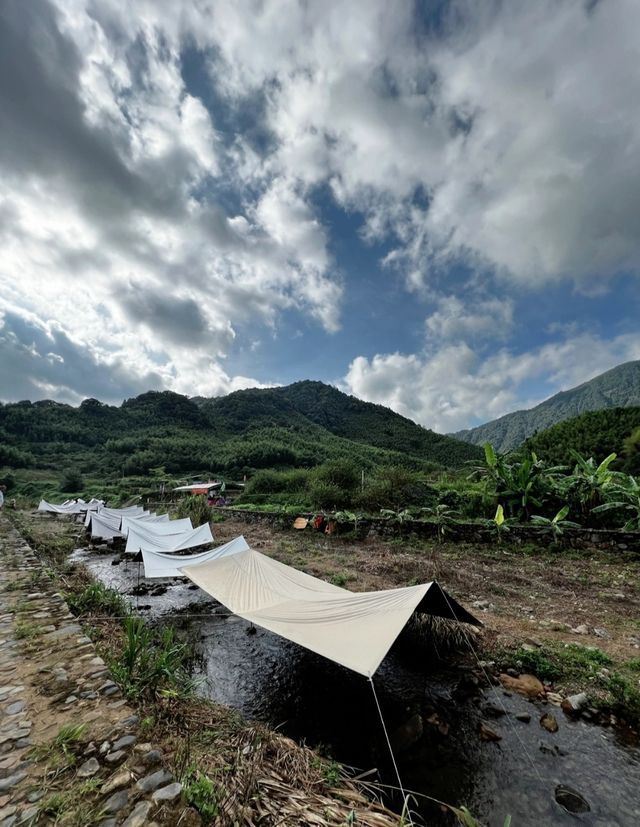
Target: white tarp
pixel 140 538
pixel 168 565
pixel 104 526
pixel 161 529
pixel 355 630
pixel 125 521
pixel 130 510
pixel 69 506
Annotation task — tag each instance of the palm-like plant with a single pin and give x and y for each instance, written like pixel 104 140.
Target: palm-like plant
pixel 443 517
pixel 557 524
pixel 625 496
pixel 588 486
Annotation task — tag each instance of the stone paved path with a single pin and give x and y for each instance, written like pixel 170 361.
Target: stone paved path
pixel 51 678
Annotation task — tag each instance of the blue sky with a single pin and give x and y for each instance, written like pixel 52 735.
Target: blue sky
pixel 432 206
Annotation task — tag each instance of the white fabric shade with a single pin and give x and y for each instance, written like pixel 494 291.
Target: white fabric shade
pixel 355 630
pixel 169 565
pixel 69 506
pixel 125 521
pixel 139 538
pixel 130 510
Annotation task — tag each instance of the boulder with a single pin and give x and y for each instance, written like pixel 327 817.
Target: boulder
pixel 574 703
pixel 549 722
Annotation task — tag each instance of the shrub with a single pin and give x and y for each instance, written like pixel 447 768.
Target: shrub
pixel 71 481
pixel 196 508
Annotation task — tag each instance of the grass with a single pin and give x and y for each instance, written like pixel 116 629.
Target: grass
pixel 562 662
pixel 202 793
pixel 61 750
pixel 99 599
pixel 75 806
pixel 26 631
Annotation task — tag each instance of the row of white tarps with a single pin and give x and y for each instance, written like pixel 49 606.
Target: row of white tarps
pixel 355 630
pixel 157 564
pixel 70 506
pixel 147 537
pixel 129 511
pixel 109 523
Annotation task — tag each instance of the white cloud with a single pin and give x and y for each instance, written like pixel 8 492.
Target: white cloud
pixel 484 319
pixel 457 387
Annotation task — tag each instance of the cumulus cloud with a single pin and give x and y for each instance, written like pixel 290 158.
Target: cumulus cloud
pixel 480 319
pixel 458 387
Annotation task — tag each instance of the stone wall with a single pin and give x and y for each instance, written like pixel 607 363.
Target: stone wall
pixel 578 538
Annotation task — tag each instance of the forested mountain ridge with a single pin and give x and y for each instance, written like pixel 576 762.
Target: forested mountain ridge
pixel 301 425
pixel 618 387
pixel 593 434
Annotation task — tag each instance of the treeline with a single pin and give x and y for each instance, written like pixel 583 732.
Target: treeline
pixel 594 434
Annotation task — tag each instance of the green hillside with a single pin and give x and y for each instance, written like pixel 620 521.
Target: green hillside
pixel 596 434
pixel 619 387
pixel 302 425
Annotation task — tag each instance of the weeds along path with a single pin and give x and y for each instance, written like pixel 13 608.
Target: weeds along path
pixel 74 752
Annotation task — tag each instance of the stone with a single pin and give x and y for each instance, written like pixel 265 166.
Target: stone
pixel 15 708
pixel 581 630
pixel 116 802
pixel 525 717
pixel 571 800
pixel 115 757
pixel 35 795
pixel 151 758
pixel 574 703
pixel 132 720
pixel 28 815
pixel 153 781
pixel 169 793
pixel 527 685
pixel 493 711
pixel 488 734
pixel 549 722
pixel 89 768
pixel 11 781
pixel 600 632
pixel 7 811
pixel 71 700
pixel 138 815
pixel 117 782
pixel 554 698
pixel 125 742
pixel 105 746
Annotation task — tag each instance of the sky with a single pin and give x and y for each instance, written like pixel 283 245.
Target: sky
pixel 433 206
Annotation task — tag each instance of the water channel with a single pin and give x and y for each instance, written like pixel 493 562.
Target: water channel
pixel 433 712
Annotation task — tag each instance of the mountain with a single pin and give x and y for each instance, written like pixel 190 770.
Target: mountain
pixel 619 387
pixel 593 434
pixel 301 425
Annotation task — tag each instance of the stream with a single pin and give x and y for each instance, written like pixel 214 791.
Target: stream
pixel 432 712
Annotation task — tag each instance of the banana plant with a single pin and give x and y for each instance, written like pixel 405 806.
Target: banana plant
pixel 588 486
pixel 443 517
pixel 558 524
pixel 626 498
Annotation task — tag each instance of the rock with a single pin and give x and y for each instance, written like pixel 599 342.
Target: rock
pixel 581 630
pixel 35 795
pixel 117 782
pixel 480 604
pixel 488 734
pixel 132 720
pixel 115 757
pixel 492 711
pixel 525 717
pixel 15 708
pixel 11 781
pixel 169 793
pixel 105 747
pixel 408 733
pixel 600 632
pixel 89 768
pixel 554 698
pixel 116 802
pixel 513 673
pixel 7 811
pixel 549 722
pixel 125 742
pixel 138 815
pixel 574 703
pixel 571 800
pixel 153 781
pixel 527 685
pixel 153 757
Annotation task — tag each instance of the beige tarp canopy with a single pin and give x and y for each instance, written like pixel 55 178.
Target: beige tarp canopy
pixel 355 630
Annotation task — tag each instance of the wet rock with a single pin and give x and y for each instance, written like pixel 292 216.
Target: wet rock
pixel 116 802
pixel 525 717
pixel 549 722
pixel 408 733
pixel 488 734
pixel 138 815
pixel 153 781
pixel 89 768
pixel 574 703
pixel 571 800
pixel 527 685
pixel 169 793
pixel 493 711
